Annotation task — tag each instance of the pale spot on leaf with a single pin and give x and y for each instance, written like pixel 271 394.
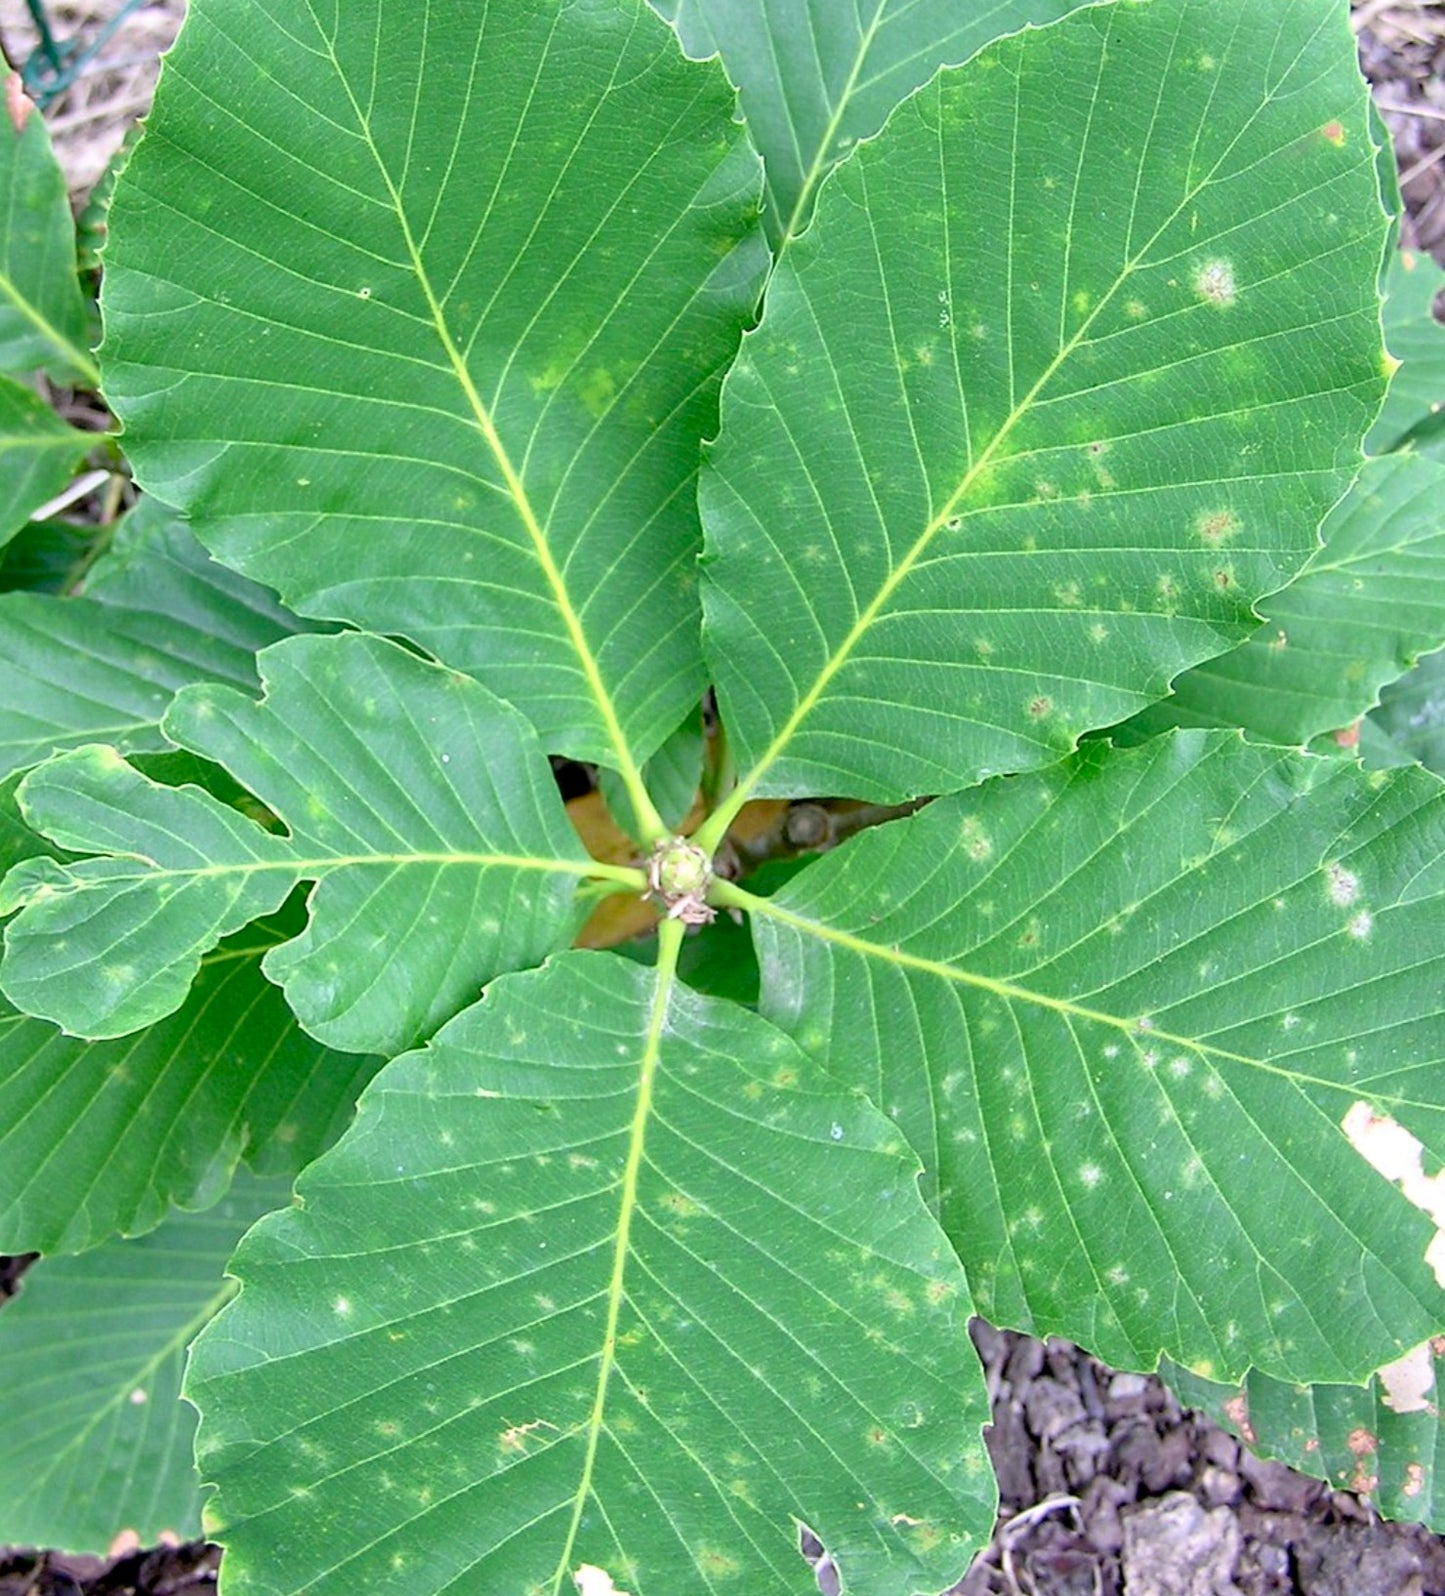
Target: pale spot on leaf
pixel 1408 1381
pixel 594 1582
pixel 1391 1150
pixel 1344 885
pixel 1214 281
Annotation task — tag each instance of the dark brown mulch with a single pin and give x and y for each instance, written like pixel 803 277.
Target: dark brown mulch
pixel 1108 1488
pixel 1402 51
pixel 188 1570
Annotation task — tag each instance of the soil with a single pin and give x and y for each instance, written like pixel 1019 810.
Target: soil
pixel 1107 1487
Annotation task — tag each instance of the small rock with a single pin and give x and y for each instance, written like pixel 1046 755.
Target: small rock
pixel 1174 1547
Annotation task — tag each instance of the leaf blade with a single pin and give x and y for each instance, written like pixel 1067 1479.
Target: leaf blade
pixel 827 78
pixel 711 1461
pixel 96 1437
pixel 1129 1063
pixel 1123 457
pixel 42 316
pixel 39 452
pixel 541 323
pixel 157 614
pixel 419 803
pixel 1361 612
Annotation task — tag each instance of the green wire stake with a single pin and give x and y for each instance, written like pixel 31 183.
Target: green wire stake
pixel 55 64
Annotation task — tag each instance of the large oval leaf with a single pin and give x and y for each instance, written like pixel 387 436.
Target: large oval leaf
pixel 94 1438
pixel 1128 1010
pixel 42 316
pixel 157 614
pixel 418 802
pixel 419 316
pixel 608 1277
pixel 1038 405
pixel 1362 611
pixel 818 76
pixel 99 1139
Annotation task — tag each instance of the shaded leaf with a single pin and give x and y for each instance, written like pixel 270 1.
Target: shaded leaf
pixel 43 556
pixel 158 614
pixel 1381 1443
pixel 608 1275
pixel 42 316
pixel 38 454
pixel 420 805
pixel 1123 1009
pixel 969 500
pixel 1412 714
pixel 1360 613
pixel 815 78
pixel 671 777
pixel 435 355
pixel 94 1438
pixel 99 1139
pixel 1417 341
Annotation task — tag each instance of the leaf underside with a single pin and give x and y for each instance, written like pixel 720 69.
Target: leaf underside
pixel 607 1275
pixel 464 280
pixel 419 804
pixel 970 499
pixel 94 1439
pixel 1123 1009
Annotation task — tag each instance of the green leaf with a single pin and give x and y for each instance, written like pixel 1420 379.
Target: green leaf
pixel 17 840
pixel 99 1139
pixel 419 804
pixel 433 350
pixel 820 77
pixel 607 1276
pixel 1360 613
pixel 44 555
pixel 1417 341
pixel 94 1438
pixel 42 316
pixel 1382 1440
pixel 1412 714
pixel 38 454
pixel 671 776
pixel 158 614
pixel 1123 1009
pixel 1018 439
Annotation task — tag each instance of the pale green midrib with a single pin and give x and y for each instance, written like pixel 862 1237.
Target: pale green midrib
pixel 649 821
pixel 1138 1028
pixel 815 170
pixel 174 1344
pixel 669 944
pixel 625 874
pixel 76 358
pixel 30 442
pixel 710 835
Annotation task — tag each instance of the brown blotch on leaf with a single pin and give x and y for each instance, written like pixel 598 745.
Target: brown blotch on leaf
pixel 18 104
pixel 1216 527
